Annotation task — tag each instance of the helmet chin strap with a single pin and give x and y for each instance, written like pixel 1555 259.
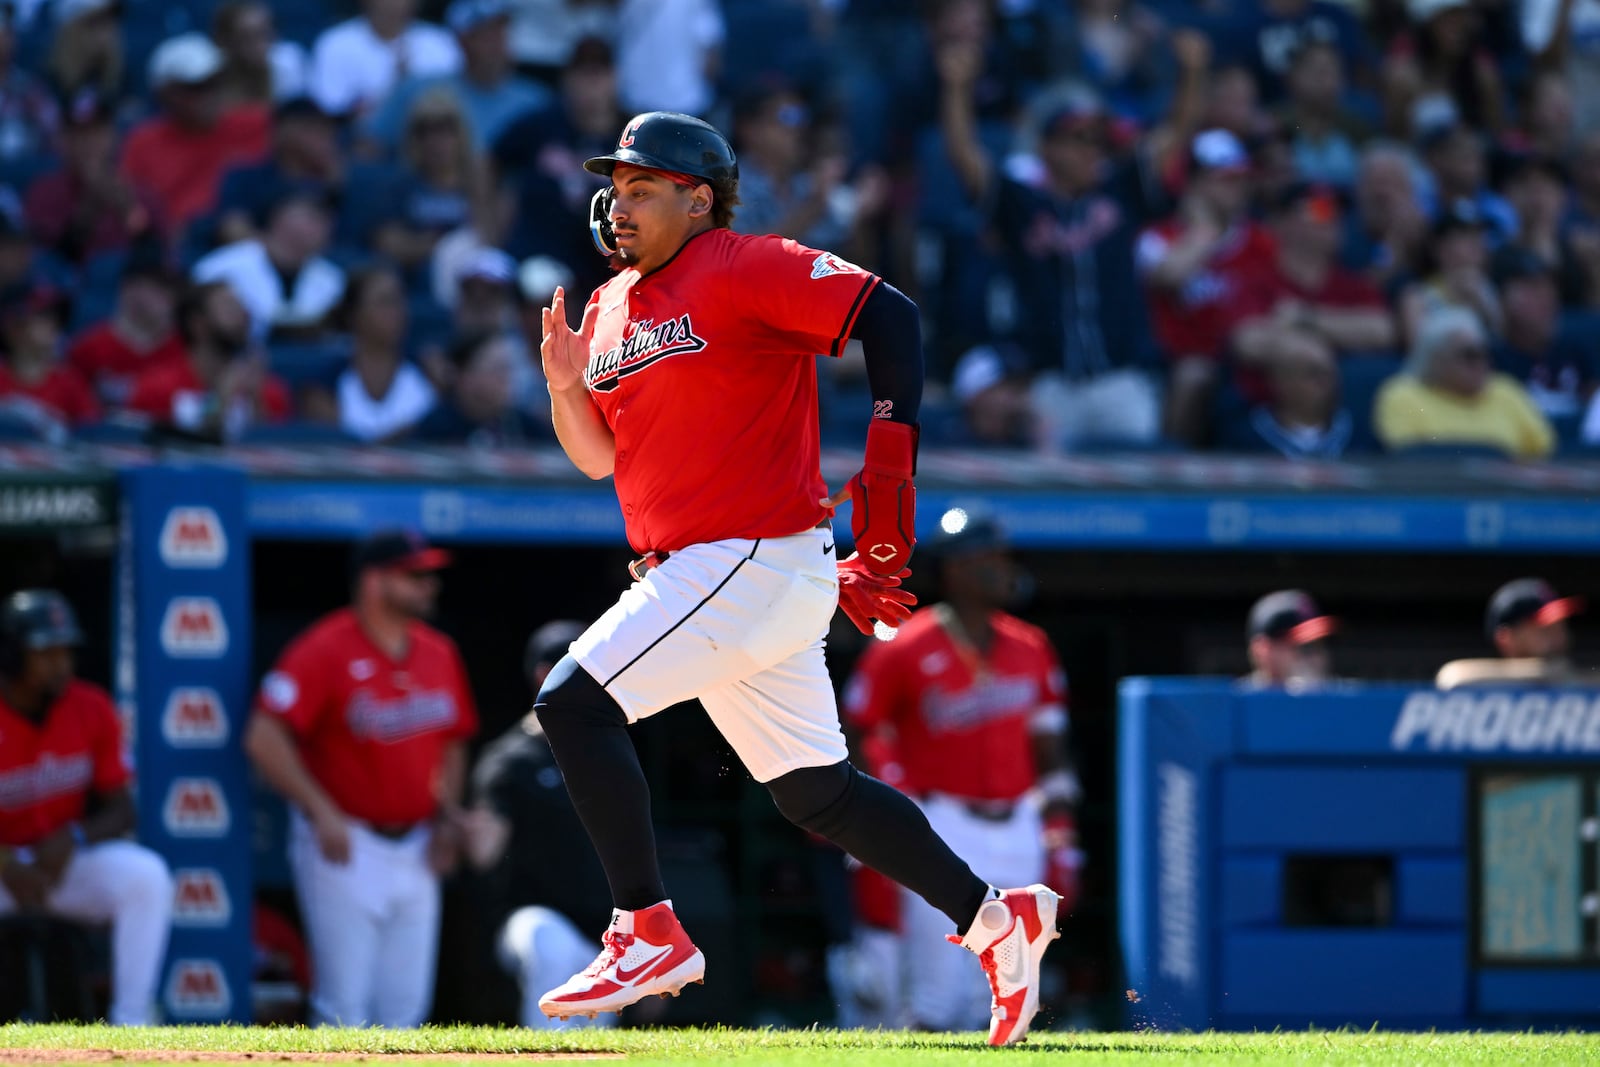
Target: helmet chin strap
pixel 605 241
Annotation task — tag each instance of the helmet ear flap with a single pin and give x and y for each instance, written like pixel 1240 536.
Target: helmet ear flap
pixel 605 240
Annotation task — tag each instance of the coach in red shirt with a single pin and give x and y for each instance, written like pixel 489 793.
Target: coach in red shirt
pixel 60 746
pixel 362 726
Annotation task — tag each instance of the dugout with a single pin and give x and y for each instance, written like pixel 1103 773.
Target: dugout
pixel 1145 564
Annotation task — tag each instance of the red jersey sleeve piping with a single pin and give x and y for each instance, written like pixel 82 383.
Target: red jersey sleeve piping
pixel 850 319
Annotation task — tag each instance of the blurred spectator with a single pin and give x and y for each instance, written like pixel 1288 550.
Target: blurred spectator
pixel 789 186
pixel 1455 272
pixel 140 334
pixel 667 54
pixel 86 208
pixel 356 63
pixel 1301 417
pixel 1120 46
pixel 35 383
pixel 1548 126
pixel 257 67
pixel 1526 620
pixel 380 395
pixel 1305 297
pixel 536 909
pixel 1582 222
pixel 479 408
pixel 1563 36
pixel 1458 169
pixel 545 32
pixel 1287 640
pixel 305 153
pixel 281 277
pixel 1536 189
pixel 1274 29
pixel 542 157
pixel 1440 63
pixel 1448 395
pixel 445 186
pixel 180 155
pixel 1558 368
pixel 68 807
pixel 20 260
pixel 87 52
pixel 489 91
pixel 1192 264
pixel 1068 223
pixel 1386 234
pixel 222 386
pixel 990 382
pixel 1325 137
pixel 28 116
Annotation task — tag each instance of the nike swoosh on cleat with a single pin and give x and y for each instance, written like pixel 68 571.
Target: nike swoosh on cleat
pixel 629 976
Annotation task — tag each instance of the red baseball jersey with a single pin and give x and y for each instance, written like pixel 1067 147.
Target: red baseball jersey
pixel 62 394
pixel 372 730
pixel 705 370
pixel 48 770
pixel 963 723
pixel 1260 292
pixel 1194 320
pixel 112 366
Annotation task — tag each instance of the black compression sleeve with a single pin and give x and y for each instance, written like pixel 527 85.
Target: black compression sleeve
pixel 890 332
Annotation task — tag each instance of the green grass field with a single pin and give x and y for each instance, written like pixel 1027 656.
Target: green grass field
pixel 790 1048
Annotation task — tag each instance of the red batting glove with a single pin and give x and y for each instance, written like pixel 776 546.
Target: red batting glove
pixel 1063 859
pixel 865 596
pixel 883 500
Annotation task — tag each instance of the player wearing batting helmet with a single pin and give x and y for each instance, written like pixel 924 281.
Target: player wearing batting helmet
pixel 692 380
pixel 964 676
pixel 67 805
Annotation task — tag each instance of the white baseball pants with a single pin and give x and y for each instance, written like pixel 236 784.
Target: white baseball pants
pixel 372 926
pixel 944 986
pixel 541 948
pixel 130 887
pixel 740 625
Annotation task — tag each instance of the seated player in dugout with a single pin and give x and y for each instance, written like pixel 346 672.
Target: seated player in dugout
pixel 1287 641
pixel 692 380
pixel 66 805
pixel 1526 621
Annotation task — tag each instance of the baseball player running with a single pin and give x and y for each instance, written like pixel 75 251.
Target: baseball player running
pixel 60 746
pixel 362 726
pixel 692 380
pixel 966 677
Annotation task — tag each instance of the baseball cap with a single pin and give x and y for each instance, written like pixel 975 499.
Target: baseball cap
pixel 187 59
pixel 1528 598
pixel 1290 615
pixel 539 276
pixel 1079 109
pixel 1219 150
pixel 464 16
pixel 398 549
pixel 984 366
pixel 487 264
pixel 1513 263
pixel 549 643
pixel 591 51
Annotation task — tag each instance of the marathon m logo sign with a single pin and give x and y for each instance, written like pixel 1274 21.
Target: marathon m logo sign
pixel 200 898
pixel 193 628
pixel 193 538
pixel 194 719
pixel 196 807
pixel 198 988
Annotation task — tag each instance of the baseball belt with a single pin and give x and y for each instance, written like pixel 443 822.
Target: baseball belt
pixel 651 560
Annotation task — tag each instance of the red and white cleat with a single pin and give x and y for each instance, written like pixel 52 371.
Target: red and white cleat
pixel 1009 937
pixel 644 953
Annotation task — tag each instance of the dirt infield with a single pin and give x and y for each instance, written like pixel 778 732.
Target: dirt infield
pixel 106 1055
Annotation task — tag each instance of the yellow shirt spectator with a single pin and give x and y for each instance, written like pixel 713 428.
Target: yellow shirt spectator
pixel 1447 394
pixel 1409 412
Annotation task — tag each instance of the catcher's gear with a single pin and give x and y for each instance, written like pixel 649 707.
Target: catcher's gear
pixel 865 595
pixel 669 141
pixel 883 511
pixel 34 619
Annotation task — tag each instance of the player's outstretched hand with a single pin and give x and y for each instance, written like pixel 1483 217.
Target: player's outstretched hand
pixel 865 596
pixel 565 354
pixel 883 499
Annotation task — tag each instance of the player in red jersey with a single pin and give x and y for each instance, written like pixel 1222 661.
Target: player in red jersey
pixel 362 726
pixel 61 746
pixel 972 701
pixel 693 381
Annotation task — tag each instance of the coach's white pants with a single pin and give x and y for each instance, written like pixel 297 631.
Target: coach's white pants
pixel 945 986
pixel 740 625
pixel 130 887
pixel 541 948
pixel 372 926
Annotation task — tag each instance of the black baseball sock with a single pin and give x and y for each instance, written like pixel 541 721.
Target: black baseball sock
pixel 882 828
pixel 588 735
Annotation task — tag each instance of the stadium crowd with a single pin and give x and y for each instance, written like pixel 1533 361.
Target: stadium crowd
pixel 1309 227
